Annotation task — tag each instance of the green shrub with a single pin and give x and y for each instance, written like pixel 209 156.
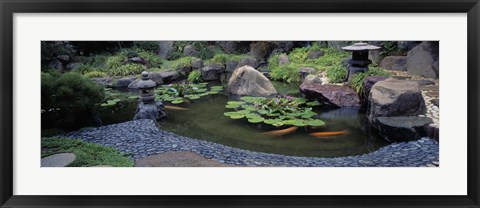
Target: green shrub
pixel 128 69
pixel 152 58
pixel 150 46
pixel 195 76
pixel 337 73
pixel 389 48
pixel 98 60
pixel 67 99
pixel 87 154
pixel 204 53
pixel 182 62
pixel 69 92
pixel 288 73
pixel 95 74
pixel 116 61
pixel 357 80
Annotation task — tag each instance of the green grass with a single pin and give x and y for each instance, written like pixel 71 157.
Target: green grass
pixel 87 154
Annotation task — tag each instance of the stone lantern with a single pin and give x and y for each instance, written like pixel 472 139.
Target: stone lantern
pixel 146 86
pixel 359 61
pixel 148 108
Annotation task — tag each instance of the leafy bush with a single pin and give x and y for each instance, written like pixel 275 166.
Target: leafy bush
pixel 68 99
pixel 182 62
pixel 195 76
pixel 389 48
pixel 128 69
pixel 150 46
pixel 337 74
pixel 288 73
pixel 152 58
pixel 116 61
pixel 357 81
pixel 95 74
pixel 204 53
pixel 69 92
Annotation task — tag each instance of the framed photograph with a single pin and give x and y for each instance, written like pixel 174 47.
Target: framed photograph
pixel 244 104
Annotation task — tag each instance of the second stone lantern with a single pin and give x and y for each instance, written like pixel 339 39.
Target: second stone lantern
pixel 359 61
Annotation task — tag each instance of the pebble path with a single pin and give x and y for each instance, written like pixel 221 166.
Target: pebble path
pixel 141 138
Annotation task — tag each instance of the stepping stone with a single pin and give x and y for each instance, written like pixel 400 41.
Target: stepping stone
pixel 178 159
pixel 58 160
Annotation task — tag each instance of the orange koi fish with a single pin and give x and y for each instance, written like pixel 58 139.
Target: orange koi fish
pixel 328 133
pixel 174 108
pixel 281 132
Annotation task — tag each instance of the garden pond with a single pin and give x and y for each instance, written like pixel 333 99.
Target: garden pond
pixel 346 131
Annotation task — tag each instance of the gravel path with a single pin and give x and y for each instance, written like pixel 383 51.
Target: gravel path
pixel 141 138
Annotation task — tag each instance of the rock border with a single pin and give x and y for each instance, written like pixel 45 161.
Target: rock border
pixel 142 138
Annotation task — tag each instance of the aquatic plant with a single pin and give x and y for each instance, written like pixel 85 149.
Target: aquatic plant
pixel 178 93
pixel 277 111
pixel 195 76
pixel 113 98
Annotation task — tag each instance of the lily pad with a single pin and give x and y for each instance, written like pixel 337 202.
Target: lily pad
pixel 177 101
pixel 256 119
pixel 313 103
pixel 315 122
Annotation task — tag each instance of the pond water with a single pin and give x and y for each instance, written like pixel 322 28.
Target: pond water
pixel 204 120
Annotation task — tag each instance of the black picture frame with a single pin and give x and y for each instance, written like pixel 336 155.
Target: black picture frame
pixel 9 7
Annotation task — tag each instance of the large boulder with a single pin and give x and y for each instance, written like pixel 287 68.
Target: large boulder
pixel 165 48
pixel 56 64
pixel 369 81
pixel 169 76
pixel 212 72
pixel 422 60
pixel 262 49
pixel 227 46
pixel 196 63
pixel 403 128
pixel 64 58
pixel 124 82
pixel 396 63
pixel 189 50
pixel 335 95
pixel 395 98
pixel 153 111
pixel 248 61
pixel 104 81
pixel 246 81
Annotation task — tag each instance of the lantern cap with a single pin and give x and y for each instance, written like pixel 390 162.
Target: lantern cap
pixel 360 47
pixel 146 82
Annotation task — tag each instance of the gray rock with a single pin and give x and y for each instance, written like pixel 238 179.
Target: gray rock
pixel 314 54
pixel 335 95
pixel 58 160
pixel 305 71
pixel 403 128
pixel 283 59
pixel 64 58
pixel 369 81
pixel 396 63
pixel 422 60
pixel 248 61
pixel 197 63
pixel 139 60
pixel 73 65
pixel 153 111
pixel 246 81
pixel 228 46
pixel 312 79
pixel 436 102
pixel 374 55
pixel 56 64
pixel 124 82
pixel 391 97
pixel 189 50
pixel 212 72
pixel 165 48
pixel 169 76
pixel 105 81
pixel 425 82
pixel 406 45
pixel 338 44
pixel 261 49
